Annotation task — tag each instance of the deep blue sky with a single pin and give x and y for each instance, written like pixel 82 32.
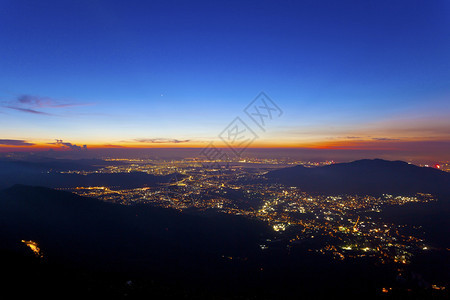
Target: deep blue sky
pixel 184 69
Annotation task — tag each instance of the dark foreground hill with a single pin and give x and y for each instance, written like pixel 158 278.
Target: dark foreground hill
pixel 94 248
pixel 365 176
pixel 79 228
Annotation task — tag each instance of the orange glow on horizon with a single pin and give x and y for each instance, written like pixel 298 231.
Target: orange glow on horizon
pixel 344 144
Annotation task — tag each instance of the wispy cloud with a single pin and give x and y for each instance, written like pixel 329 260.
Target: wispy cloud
pixel 28 110
pixel 36 104
pixel 67 145
pixel 43 102
pixel 161 141
pixel 15 142
pixel 385 139
pixel 112 146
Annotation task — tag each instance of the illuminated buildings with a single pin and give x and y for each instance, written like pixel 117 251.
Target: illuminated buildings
pixel 348 226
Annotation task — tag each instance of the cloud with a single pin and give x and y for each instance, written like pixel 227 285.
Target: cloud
pixel 42 102
pixel 34 100
pixel 15 142
pixel 34 104
pixel 29 110
pixel 112 146
pixel 67 145
pixel 161 141
pixel 385 139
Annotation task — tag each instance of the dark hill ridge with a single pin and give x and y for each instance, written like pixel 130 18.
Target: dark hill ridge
pixel 59 180
pixel 92 247
pixel 365 176
pixel 89 231
pixel 47 172
pixel 44 165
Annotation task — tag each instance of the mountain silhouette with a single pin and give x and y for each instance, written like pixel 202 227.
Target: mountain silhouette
pixel 90 231
pixel 49 173
pixel 61 180
pixel 95 248
pixel 365 176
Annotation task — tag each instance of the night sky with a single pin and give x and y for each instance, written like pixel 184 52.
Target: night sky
pixel 368 75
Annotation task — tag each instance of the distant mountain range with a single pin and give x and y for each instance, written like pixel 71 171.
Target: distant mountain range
pixel 41 164
pixel 118 180
pixel 47 173
pixel 365 176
